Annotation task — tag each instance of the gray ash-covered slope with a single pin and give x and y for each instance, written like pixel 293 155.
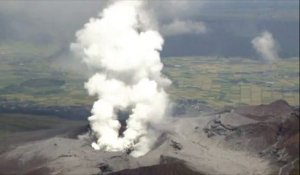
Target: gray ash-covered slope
pixel 246 140
pixel 160 169
pixel 271 131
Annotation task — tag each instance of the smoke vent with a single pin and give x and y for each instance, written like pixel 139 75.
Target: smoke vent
pixel 123 115
pixel 125 50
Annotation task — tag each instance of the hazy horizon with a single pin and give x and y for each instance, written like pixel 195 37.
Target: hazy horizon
pixel 190 28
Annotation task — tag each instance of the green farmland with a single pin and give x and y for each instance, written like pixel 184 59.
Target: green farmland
pixel 31 74
pixel 231 81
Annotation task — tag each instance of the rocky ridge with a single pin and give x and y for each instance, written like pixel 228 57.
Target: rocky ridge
pixel 260 139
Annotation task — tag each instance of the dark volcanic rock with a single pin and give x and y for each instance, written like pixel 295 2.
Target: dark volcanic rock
pixel 105 168
pixel 247 140
pixel 272 130
pixel 170 160
pixel 161 169
pixel 177 146
pixel 276 109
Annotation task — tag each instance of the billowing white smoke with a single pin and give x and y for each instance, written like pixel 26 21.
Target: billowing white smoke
pixel 127 59
pixel 266 46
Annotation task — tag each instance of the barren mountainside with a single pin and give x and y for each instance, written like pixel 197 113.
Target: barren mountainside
pixel 260 139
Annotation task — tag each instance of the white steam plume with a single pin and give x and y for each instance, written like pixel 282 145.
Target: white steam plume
pixel 266 46
pixel 125 53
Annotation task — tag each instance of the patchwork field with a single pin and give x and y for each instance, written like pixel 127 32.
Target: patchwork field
pixel 32 75
pixel 35 77
pixel 233 81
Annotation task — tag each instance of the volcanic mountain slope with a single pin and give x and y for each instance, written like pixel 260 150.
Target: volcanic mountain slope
pixel 246 140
